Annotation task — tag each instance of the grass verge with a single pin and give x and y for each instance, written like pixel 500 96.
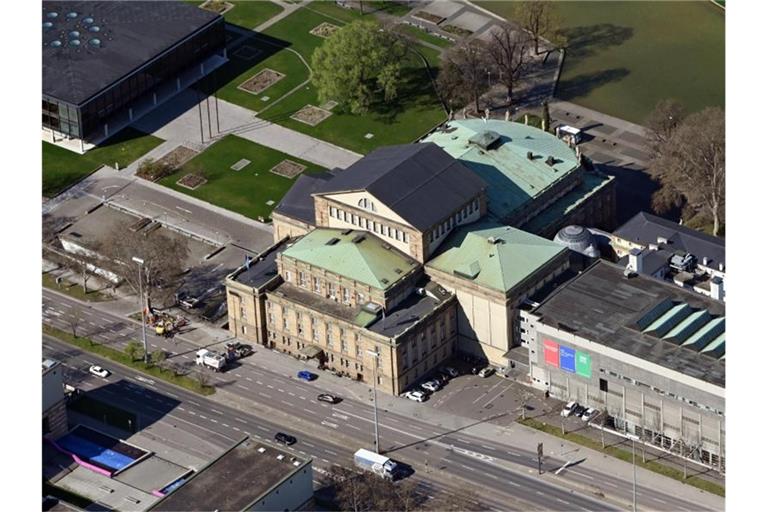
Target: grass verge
pixel 119 357
pixel 63 168
pixel 626 456
pixel 74 290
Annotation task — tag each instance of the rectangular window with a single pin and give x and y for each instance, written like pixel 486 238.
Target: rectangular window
pixel 368 224
pixel 271 318
pixel 476 204
pixel 288 276
pixel 346 216
pixel 332 290
pixel 355 219
pixel 333 211
pixel 285 323
pixel 343 345
pixel 399 235
pixel 339 214
pixel 316 284
pixel 302 279
pixel 376 226
pixel 345 295
pixel 360 298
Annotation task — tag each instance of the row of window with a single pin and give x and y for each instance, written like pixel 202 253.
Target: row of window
pixel 660 391
pixel 327 289
pixel 453 220
pixel 369 225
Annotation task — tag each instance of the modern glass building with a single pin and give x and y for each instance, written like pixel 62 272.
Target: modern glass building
pixel 103 62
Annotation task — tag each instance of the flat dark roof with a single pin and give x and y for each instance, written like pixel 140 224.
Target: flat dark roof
pixel 262 269
pixel 603 306
pixel 412 310
pixel 234 481
pixel 130 34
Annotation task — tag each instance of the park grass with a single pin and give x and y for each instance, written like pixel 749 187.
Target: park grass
pixel 626 456
pixel 122 358
pixel 249 13
pixel 238 191
pixel 623 57
pixel 63 168
pixel 74 290
pixel 416 110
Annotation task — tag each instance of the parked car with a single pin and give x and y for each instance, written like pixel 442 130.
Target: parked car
pixel 589 414
pixel 431 385
pixel 306 375
pixel 443 377
pixel 579 410
pixel 451 371
pixel 569 408
pixel 99 371
pixel 416 396
pixel 486 372
pixel 325 397
pixel 285 439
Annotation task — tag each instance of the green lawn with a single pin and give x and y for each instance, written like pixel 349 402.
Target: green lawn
pixel 239 191
pixel 623 57
pixel 62 168
pixel 415 112
pixel 75 290
pixel 249 14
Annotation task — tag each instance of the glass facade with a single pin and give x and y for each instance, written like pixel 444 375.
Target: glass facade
pixel 89 118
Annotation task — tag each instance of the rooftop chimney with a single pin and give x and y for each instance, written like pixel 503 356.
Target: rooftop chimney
pixel 662 240
pixel 636 261
pixel 716 290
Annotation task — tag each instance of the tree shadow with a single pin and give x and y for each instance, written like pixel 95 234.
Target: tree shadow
pixel 634 189
pixel 586 41
pixel 581 85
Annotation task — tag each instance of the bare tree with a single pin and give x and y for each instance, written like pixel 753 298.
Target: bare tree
pixel 163 257
pixel 74 319
pixel 510 49
pixel 133 348
pixel 463 76
pixel 203 378
pixel 538 18
pixel 692 162
pixel 468 500
pixel 661 124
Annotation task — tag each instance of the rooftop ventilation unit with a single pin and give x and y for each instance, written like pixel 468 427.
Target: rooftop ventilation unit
pixel 529 155
pixel 385 281
pixel 386 246
pixel 346 232
pixel 493 240
pixel 332 241
pixel 550 161
pixel 358 239
pixel 662 240
pixel 398 271
pixel 485 139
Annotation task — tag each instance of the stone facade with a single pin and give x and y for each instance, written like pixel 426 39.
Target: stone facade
pixel 288 227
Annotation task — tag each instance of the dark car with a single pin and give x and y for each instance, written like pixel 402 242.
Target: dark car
pixel 326 397
pixel 579 410
pixel 306 375
pixel 285 439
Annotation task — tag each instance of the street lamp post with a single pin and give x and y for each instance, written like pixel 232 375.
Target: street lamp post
pixel 143 313
pixel 375 356
pixel 634 474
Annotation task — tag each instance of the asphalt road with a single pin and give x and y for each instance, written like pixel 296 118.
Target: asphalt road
pixel 501 468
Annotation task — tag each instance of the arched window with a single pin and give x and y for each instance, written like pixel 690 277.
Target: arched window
pixel 366 204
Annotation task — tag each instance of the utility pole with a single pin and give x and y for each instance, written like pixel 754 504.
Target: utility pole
pixel 375 356
pixel 540 453
pixel 634 474
pixel 143 304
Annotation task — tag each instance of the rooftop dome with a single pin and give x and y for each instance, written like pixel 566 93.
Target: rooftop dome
pixel 579 239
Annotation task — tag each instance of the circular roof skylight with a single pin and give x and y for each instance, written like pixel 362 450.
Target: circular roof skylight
pixel 74 33
pixel 56 43
pixel 94 28
pixel 74 42
pixel 88 20
pixel 47 25
pixel 52 15
pixel 72 15
pixel 95 42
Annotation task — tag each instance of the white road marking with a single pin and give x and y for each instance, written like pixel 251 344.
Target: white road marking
pixel 193 403
pixel 257 382
pixel 329 424
pixel 291 394
pixel 309 444
pixel 241 420
pixel 303 397
pixel 193 413
pixel 265 429
pixel 204 417
pixel 264 395
pixel 225 425
pixel 289 404
pixel 238 375
pixel 242 387
pixel 270 386
pixel 353 427
pixel 249 379
pixel 213 420
pixel 310 411
pixel 217 412
pixel 235 428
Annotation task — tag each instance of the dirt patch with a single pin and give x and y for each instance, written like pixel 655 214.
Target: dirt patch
pixel 192 181
pixel 178 157
pixel 432 18
pixel 324 30
pixel 217 6
pixel 311 115
pixel 288 169
pixel 262 80
pixel 453 29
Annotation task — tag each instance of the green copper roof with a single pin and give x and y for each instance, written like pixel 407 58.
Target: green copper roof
pixel 357 255
pixel 512 178
pixel 494 256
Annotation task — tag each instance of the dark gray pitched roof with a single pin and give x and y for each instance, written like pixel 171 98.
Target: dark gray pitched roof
pixel 420 182
pixel 131 33
pixel 298 202
pixel 645 229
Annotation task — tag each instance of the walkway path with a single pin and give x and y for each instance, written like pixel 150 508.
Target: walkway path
pixel 288 9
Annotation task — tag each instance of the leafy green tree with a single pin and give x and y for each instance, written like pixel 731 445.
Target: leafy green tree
pixel 356 63
pixel 158 356
pixel 134 350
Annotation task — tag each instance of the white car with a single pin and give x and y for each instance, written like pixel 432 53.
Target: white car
pixel 569 408
pixel 416 396
pixel 99 371
pixel 451 371
pixel 431 385
pixel 486 372
pixel 589 414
